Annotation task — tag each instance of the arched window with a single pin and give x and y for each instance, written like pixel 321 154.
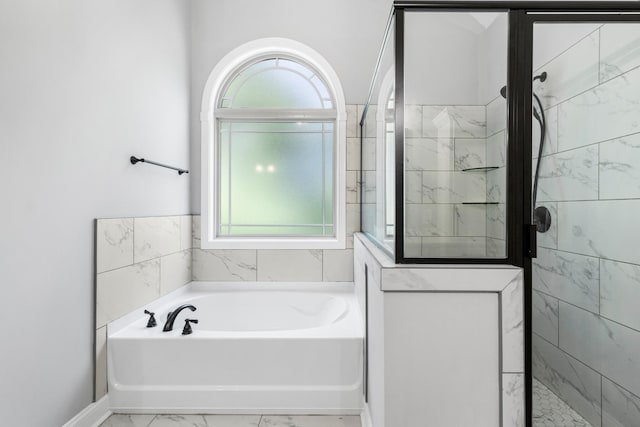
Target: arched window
pixel 273 145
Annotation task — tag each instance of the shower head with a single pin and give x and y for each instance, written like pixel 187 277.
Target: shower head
pixel 542 77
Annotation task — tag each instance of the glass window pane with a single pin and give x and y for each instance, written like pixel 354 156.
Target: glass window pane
pixel 276 83
pixel 276 174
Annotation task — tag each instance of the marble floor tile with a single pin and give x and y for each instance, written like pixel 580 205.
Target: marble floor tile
pixel 178 421
pixel 309 421
pixel 139 420
pixel 550 411
pixel 232 420
pixel 128 420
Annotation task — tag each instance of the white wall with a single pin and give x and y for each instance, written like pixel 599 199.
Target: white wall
pixel 441 59
pixel 84 84
pixel 347 33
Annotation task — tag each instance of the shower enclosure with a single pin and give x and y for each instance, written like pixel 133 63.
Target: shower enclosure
pixel 509 133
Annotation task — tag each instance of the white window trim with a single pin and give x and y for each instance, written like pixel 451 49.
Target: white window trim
pixel 215 84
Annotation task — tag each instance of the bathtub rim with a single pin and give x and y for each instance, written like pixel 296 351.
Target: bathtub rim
pixel 196 287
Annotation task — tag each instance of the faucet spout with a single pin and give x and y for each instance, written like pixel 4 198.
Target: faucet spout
pixel 171 317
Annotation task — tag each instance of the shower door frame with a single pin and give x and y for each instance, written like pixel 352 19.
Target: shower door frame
pixel 521 233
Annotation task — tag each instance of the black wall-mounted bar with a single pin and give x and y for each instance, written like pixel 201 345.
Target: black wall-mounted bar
pixel 135 160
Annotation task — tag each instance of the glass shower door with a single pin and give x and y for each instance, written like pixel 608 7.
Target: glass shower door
pixel 586 199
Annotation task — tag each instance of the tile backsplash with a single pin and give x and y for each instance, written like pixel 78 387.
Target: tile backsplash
pixel 137 261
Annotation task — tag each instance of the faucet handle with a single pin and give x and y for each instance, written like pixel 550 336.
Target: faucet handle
pixel 152 320
pixel 187 326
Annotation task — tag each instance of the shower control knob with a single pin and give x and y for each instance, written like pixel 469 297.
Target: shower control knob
pixel 152 320
pixel 187 326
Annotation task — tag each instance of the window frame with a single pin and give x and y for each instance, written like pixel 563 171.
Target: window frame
pixel 216 84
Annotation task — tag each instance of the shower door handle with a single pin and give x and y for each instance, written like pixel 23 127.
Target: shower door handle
pixel 530 241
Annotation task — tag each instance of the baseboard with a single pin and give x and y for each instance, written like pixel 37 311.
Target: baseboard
pixel 365 416
pixel 91 416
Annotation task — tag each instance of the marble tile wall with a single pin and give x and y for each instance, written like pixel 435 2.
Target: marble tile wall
pixel 586 278
pixel 137 261
pixel 445 210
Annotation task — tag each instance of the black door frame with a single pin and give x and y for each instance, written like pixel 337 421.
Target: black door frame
pixel 521 236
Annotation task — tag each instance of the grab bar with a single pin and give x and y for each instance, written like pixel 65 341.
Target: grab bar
pixel 135 160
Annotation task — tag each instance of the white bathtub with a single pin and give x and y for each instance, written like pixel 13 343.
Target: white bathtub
pixel 258 348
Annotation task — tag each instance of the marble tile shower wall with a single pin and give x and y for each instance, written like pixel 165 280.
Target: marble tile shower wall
pixel 304 265
pixel 447 189
pixel 137 261
pixel 586 278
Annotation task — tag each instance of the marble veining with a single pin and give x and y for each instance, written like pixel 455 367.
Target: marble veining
pixel 352 187
pixel 453 187
pixel 175 271
pixel 545 316
pixel 122 290
pixel 453 247
pixel 224 264
pixel 368 154
pixel 128 420
pixel 496 185
pixel 353 154
pixel 570 73
pixel 607 229
pixel 570 277
pixel 309 421
pixel 413 186
pixel 620 408
pixel 461 121
pixel 429 220
pixel 429 154
pixel 620 292
pixel 155 236
pixel 605 112
pixel 612 349
pixel 413 121
pixel 620 168
pixel 513 394
pixel 290 265
pixel 619 49
pixel 496 221
pixel 470 153
pixel 496 149
pixel 496 116
pixel 495 248
pixel 569 379
pixel 175 420
pixel 114 243
pixel 470 220
pixel 512 298
pixel 369 187
pixel 571 175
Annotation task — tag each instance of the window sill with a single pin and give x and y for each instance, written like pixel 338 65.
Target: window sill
pixel 264 243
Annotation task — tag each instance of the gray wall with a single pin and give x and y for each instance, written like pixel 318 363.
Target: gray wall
pixel 84 84
pixel 347 33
